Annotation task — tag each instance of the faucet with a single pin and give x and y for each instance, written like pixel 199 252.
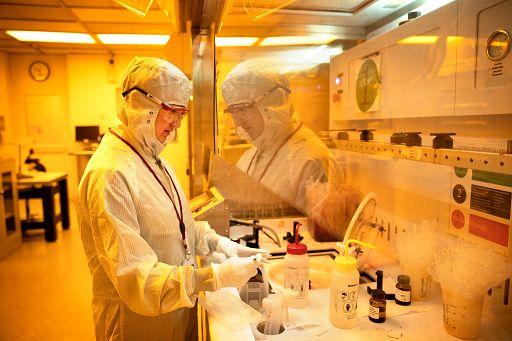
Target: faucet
pixel 274 238
pixel 256 229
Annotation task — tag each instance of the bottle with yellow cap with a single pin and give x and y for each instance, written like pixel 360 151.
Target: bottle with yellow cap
pixel 344 289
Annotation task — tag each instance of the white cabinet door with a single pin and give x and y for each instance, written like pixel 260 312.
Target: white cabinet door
pixel 412 68
pixel 484 85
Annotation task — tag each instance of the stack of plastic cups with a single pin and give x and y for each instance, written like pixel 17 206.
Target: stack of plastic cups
pixel 466 271
pixel 416 247
pixel 273 306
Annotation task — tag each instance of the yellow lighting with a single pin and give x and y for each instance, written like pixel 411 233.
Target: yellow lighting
pixel 419 40
pixel 134 39
pixel 235 41
pixel 454 39
pixel 298 40
pixel 52 37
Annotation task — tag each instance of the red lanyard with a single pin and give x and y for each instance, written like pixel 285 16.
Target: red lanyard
pixel 180 214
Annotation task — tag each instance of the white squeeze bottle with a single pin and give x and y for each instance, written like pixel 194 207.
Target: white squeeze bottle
pixel 344 289
pixel 296 271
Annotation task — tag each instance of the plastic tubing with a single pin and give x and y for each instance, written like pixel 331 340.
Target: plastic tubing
pixel 359 210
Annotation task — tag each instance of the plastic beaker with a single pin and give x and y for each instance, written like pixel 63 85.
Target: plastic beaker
pixel 421 280
pixel 462 314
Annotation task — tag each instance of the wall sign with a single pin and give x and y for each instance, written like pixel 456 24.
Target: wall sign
pixel 481 206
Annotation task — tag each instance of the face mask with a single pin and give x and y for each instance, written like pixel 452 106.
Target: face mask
pixel 171 138
pixel 242 134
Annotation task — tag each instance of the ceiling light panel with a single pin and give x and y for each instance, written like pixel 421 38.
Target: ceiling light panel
pixel 348 6
pixel 52 37
pixel 234 41
pixel 297 40
pixel 134 39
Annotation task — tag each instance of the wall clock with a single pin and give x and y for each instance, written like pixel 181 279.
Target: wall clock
pixel 39 71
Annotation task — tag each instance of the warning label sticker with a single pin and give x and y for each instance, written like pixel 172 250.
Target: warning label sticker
pixel 491 201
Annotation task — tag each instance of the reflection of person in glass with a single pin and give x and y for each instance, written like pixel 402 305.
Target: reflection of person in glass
pixel 286 155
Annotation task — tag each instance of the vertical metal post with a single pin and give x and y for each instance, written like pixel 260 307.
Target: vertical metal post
pixel 204 120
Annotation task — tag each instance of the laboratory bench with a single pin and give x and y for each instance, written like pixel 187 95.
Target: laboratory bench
pixel 44 186
pixel 422 320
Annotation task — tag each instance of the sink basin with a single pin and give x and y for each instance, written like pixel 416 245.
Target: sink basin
pixel 321 264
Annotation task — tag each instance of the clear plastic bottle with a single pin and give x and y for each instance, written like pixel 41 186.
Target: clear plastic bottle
pixel 296 272
pixel 344 290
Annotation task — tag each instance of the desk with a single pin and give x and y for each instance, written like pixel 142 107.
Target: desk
pixel 44 186
pixel 82 158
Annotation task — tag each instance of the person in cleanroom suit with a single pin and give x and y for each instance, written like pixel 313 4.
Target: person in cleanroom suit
pixel 136 225
pixel 286 156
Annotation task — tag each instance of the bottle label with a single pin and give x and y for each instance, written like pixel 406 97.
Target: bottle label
pixel 374 312
pixel 403 296
pixel 297 279
pixel 345 302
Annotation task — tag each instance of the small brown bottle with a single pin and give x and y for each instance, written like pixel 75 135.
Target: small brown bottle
pixel 403 290
pixel 377 309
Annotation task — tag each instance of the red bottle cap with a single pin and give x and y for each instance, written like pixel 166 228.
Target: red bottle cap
pixel 297 249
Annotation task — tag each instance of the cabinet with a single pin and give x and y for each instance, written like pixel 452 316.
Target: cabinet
pixel 10 231
pixel 483 85
pixel 407 72
pixel 434 66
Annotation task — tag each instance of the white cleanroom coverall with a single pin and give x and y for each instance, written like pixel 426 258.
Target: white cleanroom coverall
pixel 142 289
pixel 287 156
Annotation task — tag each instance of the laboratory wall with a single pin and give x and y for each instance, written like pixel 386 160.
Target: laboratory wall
pixel 4 104
pixel 81 90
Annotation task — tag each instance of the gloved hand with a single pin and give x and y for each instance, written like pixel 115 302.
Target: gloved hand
pixel 218 257
pixel 234 272
pixel 232 249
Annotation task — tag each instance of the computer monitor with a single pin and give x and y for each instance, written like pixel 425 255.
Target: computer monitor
pixel 88 134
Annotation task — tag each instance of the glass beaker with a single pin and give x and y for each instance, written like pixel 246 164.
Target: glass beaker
pixel 421 280
pixel 462 314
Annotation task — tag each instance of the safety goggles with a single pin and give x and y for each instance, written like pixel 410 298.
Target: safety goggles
pixel 237 109
pixel 178 110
